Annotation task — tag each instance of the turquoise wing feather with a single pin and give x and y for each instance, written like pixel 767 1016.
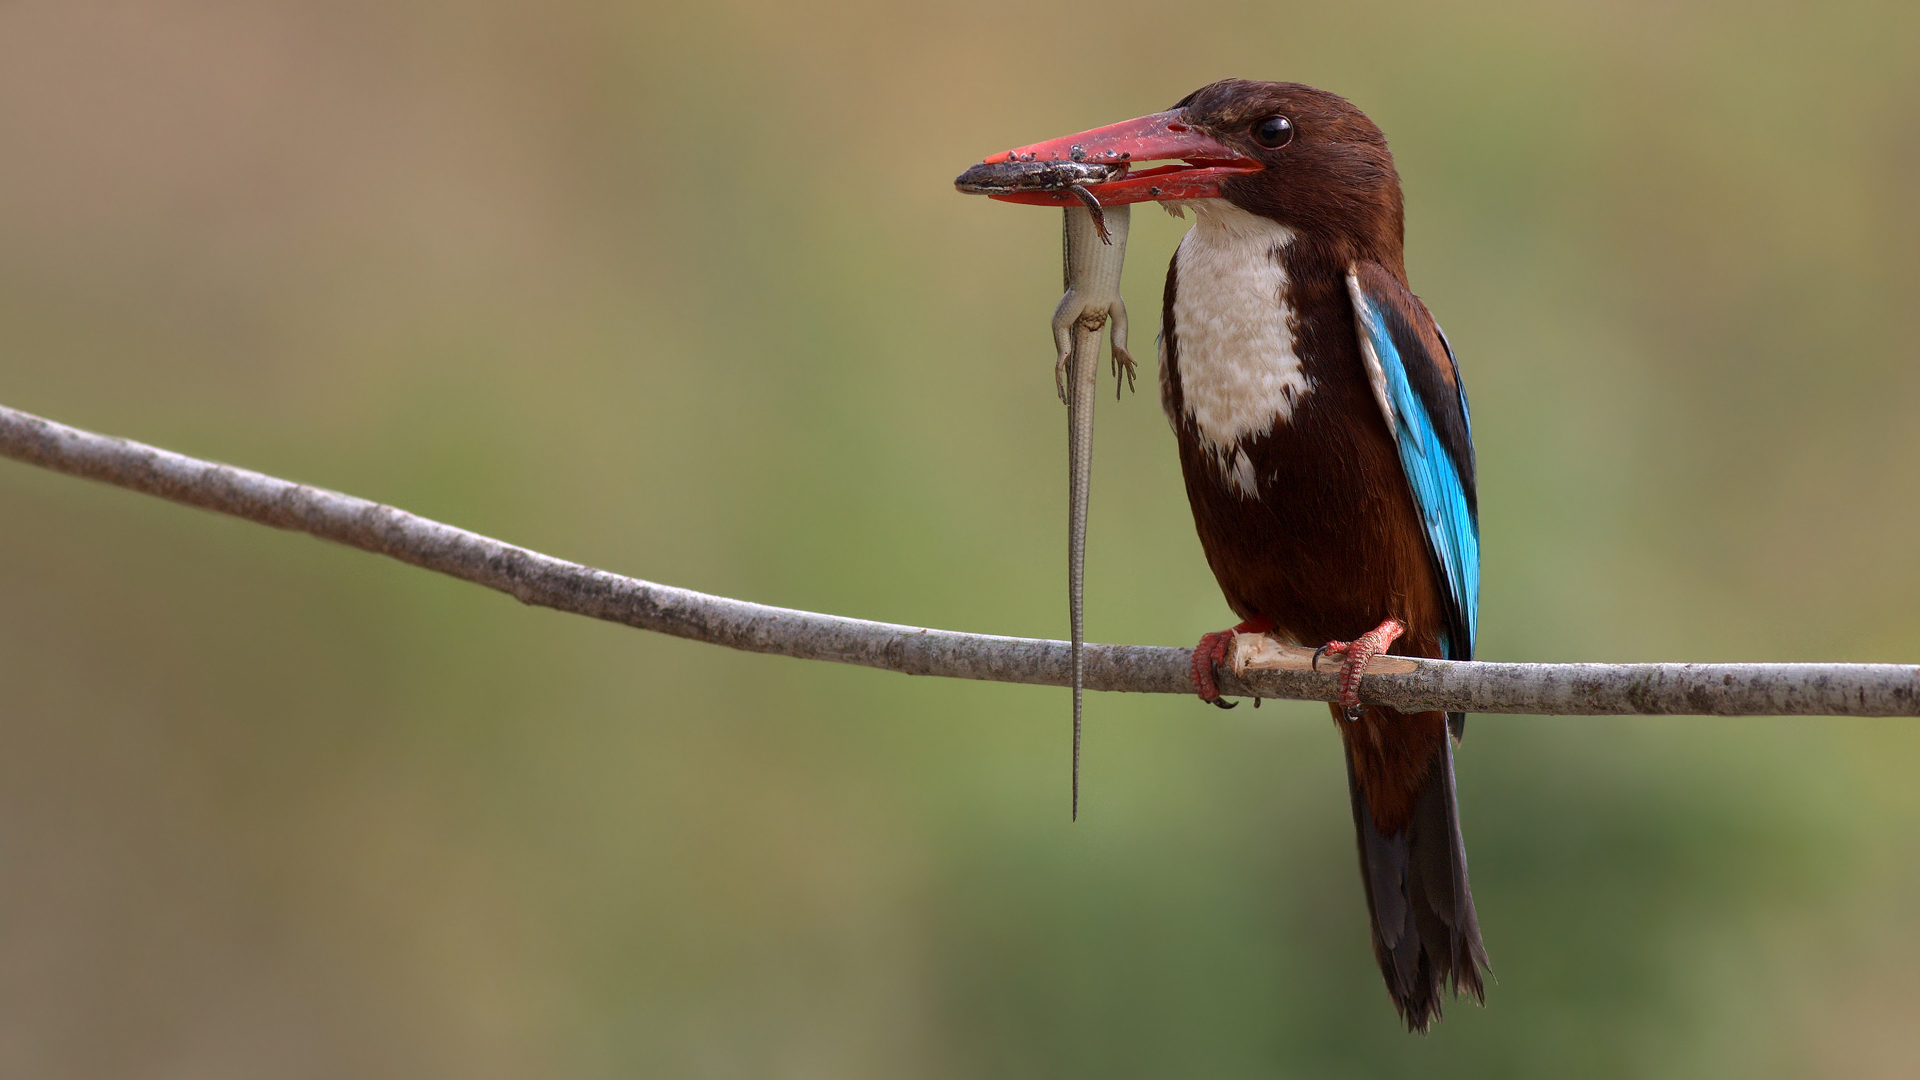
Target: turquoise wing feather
pixel 1418 387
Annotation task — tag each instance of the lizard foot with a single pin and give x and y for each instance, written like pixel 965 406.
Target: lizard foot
pixel 1122 365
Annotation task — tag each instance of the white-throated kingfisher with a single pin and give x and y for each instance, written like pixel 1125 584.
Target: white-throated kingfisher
pixel 1325 440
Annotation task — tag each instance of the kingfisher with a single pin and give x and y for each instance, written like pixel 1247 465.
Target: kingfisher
pixel 1327 450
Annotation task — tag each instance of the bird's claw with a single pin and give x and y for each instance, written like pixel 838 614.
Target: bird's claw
pixel 1211 651
pixel 1350 711
pixel 1358 652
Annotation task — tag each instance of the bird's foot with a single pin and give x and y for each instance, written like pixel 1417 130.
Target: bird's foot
pixel 1357 653
pixel 1212 651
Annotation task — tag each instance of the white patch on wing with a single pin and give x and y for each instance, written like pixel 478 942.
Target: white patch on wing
pixel 1376 372
pixel 1239 375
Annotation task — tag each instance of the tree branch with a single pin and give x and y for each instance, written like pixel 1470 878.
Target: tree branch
pixel 1261 667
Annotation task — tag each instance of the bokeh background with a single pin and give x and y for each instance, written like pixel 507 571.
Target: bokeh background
pixel 683 291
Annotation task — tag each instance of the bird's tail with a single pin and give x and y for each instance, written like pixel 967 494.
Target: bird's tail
pixel 1412 861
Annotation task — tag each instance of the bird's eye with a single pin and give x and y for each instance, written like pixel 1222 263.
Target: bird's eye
pixel 1274 132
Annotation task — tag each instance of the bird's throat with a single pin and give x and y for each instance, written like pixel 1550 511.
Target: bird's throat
pixel 1237 367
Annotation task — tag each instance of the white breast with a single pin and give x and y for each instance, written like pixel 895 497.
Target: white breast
pixel 1238 372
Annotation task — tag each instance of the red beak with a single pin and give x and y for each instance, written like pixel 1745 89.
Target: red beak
pixel 1202 162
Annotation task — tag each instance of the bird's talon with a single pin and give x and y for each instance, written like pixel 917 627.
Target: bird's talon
pixel 1212 650
pixel 1359 652
pixel 1223 703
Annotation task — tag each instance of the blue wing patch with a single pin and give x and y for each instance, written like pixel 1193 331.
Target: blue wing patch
pixel 1426 410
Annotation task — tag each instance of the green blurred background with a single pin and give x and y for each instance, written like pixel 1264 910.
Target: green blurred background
pixel 685 293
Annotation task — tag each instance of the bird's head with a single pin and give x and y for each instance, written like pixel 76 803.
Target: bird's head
pixel 1302 157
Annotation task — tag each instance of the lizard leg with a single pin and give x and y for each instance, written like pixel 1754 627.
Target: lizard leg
pixel 1121 361
pixel 1094 208
pixel 1064 317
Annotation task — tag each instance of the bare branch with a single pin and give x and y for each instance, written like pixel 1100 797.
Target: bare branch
pixel 1261 667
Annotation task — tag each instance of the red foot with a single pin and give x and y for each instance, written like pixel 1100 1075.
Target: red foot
pixel 1358 652
pixel 1212 650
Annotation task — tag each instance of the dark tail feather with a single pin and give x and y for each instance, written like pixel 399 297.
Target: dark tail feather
pixel 1425 933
